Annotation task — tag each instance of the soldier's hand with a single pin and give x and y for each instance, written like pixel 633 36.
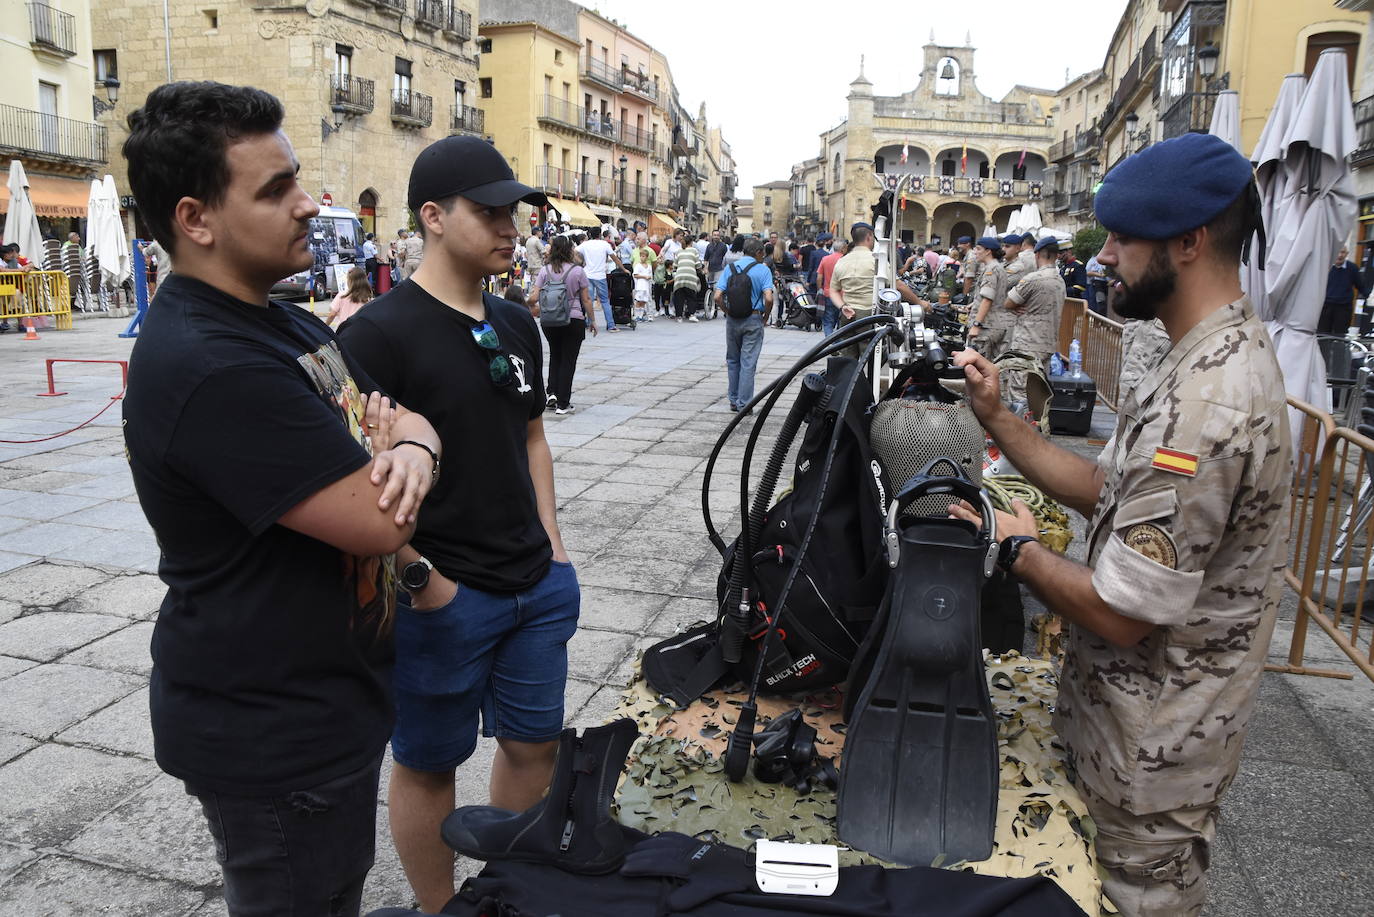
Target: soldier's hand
pixel 981 383
pixel 847 311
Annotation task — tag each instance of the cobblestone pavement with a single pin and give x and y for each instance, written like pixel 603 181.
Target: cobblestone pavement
pixel 89 825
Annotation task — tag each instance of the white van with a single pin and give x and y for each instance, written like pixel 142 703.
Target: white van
pixel 336 238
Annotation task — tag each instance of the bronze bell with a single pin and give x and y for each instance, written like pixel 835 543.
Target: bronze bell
pixel 948 72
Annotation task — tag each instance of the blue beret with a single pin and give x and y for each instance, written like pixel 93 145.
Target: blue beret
pixel 824 237
pixel 1047 242
pixel 991 243
pixel 1172 186
pixel 860 225
pixel 1028 239
pixel 965 240
pixel 1012 238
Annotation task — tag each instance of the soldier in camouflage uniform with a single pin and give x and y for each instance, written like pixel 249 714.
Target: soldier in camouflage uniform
pixel 1171 619
pixel 1035 302
pixel 1143 345
pixel 991 319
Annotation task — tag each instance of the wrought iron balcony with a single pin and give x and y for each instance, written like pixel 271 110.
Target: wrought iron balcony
pixel 1063 149
pixel 431 13
pixel 1059 202
pixel 589 123
pixel 1080 201
pixel 601 72
pixel 1364 132
pixel 53 30
pixel 51 138
pixel 639 84
pixel 1192 113
pixel 396 6
pixel 635 137
pixel 354 94
pixel 458 22
pixel 414 109
pixel 467 120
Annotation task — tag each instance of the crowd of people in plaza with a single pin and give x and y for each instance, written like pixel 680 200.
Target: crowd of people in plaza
pixel 330 592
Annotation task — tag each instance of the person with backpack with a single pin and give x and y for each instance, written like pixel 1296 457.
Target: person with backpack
pixel 565 316
pixel 745 293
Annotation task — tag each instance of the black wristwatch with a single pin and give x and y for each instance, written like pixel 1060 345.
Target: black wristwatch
pixel 434 474
pixel 415 576
pixel 1010 550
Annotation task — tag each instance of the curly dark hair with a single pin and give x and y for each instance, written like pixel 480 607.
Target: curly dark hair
pixel 178 142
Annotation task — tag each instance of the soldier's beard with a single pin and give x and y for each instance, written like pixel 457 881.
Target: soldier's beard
pixel 1141 300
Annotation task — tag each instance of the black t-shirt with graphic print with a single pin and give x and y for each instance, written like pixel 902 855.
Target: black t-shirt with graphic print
pixel 480 525
pixel 272 650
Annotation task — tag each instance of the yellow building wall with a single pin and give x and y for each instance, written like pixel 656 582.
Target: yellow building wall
pixel 22 68
pixel 1264 41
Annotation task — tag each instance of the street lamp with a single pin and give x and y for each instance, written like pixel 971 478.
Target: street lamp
pixel 326 128
pixel 1207 58
pixel 1132 134
pixel 112 93
pixel 624 162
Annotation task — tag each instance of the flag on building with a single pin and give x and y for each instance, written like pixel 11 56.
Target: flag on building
pixel 1021 163
pixel 904 152
pixel 963 160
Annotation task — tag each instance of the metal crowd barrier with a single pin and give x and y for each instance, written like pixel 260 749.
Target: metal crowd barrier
pixel 33 293
pixel 1101 344
pixel 1331 539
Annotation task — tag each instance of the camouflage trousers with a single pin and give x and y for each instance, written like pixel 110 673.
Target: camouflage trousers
pixel 990 342
pixel 1014 380
pixel 1153 865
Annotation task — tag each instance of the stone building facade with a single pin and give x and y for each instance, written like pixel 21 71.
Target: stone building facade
pixel 393 75
pixel 971 159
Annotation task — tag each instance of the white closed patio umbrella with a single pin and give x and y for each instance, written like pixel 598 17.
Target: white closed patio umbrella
pixel 1226 118
pixel 1268 161
pixel 1315 211
pixel 106 240
pixel 21 223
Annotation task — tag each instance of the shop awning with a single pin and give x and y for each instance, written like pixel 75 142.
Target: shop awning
pixel 601 210
pixel 52 197
pixel 665 219
pixel 574 212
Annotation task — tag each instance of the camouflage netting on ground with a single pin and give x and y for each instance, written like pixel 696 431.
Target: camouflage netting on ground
pixel 674 780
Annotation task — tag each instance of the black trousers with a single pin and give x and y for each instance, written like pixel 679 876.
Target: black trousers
pixel 301 854
pixel 685 301
pixel 1335 317
pixel 565 344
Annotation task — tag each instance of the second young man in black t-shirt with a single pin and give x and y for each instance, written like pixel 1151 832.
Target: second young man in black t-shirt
pixel 493 599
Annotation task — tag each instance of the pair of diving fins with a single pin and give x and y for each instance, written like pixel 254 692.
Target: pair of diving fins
pixel 919 770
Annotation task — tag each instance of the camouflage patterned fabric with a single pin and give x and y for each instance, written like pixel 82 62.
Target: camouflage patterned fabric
pixel 675 781
pixel 1143 345
pixel 1189 535
pixel 992 339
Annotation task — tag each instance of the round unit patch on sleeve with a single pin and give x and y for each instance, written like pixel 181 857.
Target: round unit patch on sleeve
pixel 1154 543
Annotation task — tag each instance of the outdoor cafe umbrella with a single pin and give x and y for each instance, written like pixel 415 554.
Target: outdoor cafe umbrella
pixel 21 223
pixel 1268 162
pixel 105 239
pixel 1315 210
pixel 1226 117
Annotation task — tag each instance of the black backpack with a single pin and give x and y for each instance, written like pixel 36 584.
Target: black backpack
pixel 739 292
pixel 843 572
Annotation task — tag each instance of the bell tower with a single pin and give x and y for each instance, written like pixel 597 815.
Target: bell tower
pixel 947 72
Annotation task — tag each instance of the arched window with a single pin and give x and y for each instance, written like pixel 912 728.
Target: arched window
pixel 983 169
pixel 837 168
pixel 367 210
pixel 1349 42
pixel 947 77
pixel 947 166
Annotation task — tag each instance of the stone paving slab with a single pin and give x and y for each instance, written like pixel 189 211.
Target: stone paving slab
pixel 86 816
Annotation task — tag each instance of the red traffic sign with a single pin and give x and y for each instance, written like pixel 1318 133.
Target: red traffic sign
pixel 326 200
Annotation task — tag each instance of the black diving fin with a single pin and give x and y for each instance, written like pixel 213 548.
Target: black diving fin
pixel 919 770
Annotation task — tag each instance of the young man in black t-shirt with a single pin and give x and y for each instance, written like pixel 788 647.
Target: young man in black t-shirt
pixel 493 599
pixel 279 493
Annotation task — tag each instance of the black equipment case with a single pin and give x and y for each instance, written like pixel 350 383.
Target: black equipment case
pixel 1071 406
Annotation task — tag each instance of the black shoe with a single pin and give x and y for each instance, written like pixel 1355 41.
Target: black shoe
pixel 571 827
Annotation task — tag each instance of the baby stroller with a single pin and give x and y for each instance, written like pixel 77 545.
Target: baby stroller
pixel 801 310
pixel 621 286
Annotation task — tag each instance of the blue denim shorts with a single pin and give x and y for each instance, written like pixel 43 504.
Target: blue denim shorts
pixel 502 657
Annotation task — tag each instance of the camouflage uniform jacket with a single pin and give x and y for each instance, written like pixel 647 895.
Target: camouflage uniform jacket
pixel 1035 326
pixel 1021 265
pixel 993 285
pixel 972 268
pixel 1189 534
pixel 1143 345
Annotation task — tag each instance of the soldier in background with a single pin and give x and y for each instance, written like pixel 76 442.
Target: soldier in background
pixel 1171 619
pixel 1035 303
pixel 987 331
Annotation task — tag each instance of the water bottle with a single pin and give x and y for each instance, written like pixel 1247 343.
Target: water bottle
pixel 1056 365
pixel 1075 359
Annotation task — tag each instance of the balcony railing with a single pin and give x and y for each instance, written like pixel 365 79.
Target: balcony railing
pixel 430 13
pixel 1138 72
pixel 355 94
pixel 1059 202
pixel 635 137
pixel 396 6
pixel 1364 132
pixel 1192 113
pixel 458 22
pixel 1086 140
pixel 972 186
pixel 412 108
pixel 567 183
pixel 464 119
pixel 49 137
pixel 53 30
pixel 639 83
pixel 562 111
pixel 601 72
pixel 1061 150
pixel 1080 201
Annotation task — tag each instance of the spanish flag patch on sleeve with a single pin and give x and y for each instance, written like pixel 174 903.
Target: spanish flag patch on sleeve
pixel 1184 463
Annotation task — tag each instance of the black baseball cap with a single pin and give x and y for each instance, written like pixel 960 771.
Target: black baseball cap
pixel 469 166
